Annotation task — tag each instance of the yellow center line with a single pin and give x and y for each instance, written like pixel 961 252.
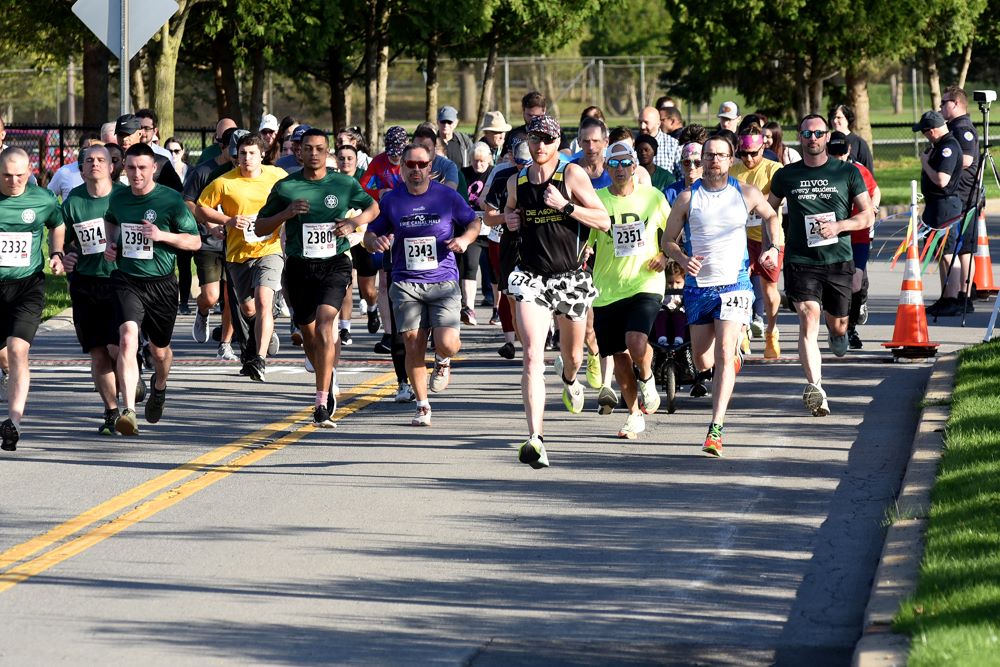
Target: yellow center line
pixel 365 393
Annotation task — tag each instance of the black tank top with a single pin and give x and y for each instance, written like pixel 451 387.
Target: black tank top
pixel 551 241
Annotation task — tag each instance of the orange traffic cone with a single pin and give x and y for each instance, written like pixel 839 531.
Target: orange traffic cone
pixel 983 280
pixel 910 338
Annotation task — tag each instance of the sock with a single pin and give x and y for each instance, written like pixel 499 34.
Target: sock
pixel 423 404
pixel 345 325
pixel 372 308
pixel 333 379
pixel 321 397
pixel 539 436
pixel 442 361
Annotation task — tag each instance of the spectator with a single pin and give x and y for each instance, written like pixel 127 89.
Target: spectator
pixel 841 119
pixel 785 154
pixel 177 153
pixel 458 145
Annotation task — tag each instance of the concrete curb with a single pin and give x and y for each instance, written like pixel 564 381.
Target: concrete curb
pixel 63 320
pixel 899 565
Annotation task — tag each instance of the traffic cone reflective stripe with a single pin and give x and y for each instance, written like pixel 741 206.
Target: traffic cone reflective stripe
pixel 983 278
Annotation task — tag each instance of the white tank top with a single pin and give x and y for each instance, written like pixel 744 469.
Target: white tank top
pixel 716 230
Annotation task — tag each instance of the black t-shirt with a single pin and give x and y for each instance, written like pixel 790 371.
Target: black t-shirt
pixel 945 156
pixel 967 137
pixel 165 173
pixel 475 185
pixel 860 152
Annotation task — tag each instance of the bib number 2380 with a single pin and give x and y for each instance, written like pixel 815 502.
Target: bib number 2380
pixel 421 253
pixel 736 306
pixel 318 240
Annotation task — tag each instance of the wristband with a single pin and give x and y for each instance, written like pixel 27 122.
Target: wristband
pixel 55 253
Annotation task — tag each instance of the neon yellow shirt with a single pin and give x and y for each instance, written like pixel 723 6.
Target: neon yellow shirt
pixel 623 252
pixel 240 195
pixel 759 176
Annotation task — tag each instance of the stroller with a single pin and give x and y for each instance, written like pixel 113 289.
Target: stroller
pixel 673 361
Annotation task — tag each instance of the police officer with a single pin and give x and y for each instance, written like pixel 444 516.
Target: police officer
pixel 940 177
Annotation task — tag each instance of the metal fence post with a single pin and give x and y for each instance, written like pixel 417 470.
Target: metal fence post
pixel 913 86
pixel 642 82
pixel 600 84
pixel 506 88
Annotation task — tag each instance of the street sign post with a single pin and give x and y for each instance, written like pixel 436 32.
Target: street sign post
pixel 124 31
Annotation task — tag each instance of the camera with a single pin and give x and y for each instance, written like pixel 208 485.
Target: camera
pixel 984 96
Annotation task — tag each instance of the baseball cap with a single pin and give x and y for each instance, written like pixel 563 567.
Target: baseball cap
pixel 691 151
pixel 519 148
pixel 729 110
pixel 545 125
pixel 493 121
pixel 234 140
pixel 837 144
pixel 448 113
pixel 299 131
pixel 929 121
pixel 268 122
pixel 127 124
pixel 395 140
pixel 620 150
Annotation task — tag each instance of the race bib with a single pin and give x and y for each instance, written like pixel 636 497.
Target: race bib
pixel 421 253
pixel 629 238
pixel 754 220
pixel 318 240
pixel 736 306
pixel 523 286
pixel 812 222
pixel 15 248
pixel 496 233
pixel 135 243
pixel 90 234
pixel 250 233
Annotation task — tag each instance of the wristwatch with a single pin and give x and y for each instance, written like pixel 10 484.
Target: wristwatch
pixel 54 254
pixel 773 246
pixel 568 208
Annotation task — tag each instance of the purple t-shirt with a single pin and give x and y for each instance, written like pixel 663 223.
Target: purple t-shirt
pixel 422 224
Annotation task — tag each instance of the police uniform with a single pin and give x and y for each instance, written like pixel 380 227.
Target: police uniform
pixel 943 206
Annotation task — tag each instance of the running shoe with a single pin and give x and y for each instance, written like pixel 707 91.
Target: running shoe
pixel 634 425
pixel 225 353
pixel 594 376
pixel 507 350
pixel 440 377
pixel 772 348
pixel 111 416
pixel 739 357
pixel 404 393
pixel 558 365
pixel 255 369
pixel 384 346
pixel 863 314
pixel 9 436
pixel 183 309
pixel 745 342
pixel 838 345
pixel 649 398
pixel 345 337
pixel 698 389
pixel 280 307
pixel 217 334
pixel 713 441
pixel 469 317
pixel 3 385
pixel 331 399
pixel 757 326
pixel 854 340
pixel 573 397
pixel 199 328
pixel 815 400
pixel 321 417
pixel 127 424
pixel 422 417
pixel 607 400
pixel 495 317
pixel 274 345
pixel 140 389
pixel 309 366
pixel 296 337
pixel 374 321
pixel 532 452
pixel 154 404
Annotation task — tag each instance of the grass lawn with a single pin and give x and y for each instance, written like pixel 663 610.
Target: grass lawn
pixel 894 180
pixel 954 617
pixel 56 290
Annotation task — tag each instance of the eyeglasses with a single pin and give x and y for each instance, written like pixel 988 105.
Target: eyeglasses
pixel 615 163
pixel 541 139
pixel 147 128
pixel 691 163
pixel 417 164
pixel 809 134
pixel 176 151
pixel 709 157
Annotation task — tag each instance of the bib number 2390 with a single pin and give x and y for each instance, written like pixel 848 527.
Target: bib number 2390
pixel 318 240
pixel 736 306
pixel 813 223
pixel 421 253
pixel 135 243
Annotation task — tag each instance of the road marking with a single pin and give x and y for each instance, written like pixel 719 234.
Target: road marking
pixel 208 464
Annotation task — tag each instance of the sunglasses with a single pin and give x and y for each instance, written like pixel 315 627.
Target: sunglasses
pixel 748 153
pixel 176 151
pixel 809 134
pixel 541 139
pixel 417 164
pixel 266 131
pixel 691 163
pixel 615 163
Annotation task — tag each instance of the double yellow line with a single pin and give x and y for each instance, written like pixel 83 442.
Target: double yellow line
pixel 212 466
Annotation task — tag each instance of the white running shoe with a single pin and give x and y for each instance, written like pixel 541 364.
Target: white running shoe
pixel 607 401
pixel 815 399
pixel 422 417
pixel 634 425
pixel 225 353
pixel 649 398
pixel 404 394
pixel 309 367
pixel 532 452
pixel 573 397
pixel 200 327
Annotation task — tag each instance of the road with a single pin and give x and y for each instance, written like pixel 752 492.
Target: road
pixel 233 532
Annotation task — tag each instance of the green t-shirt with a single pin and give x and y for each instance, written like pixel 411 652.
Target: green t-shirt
pixel 661 178
pixel 83 216
pixel 329 199
pixel 165 208
pixel 815 194
pixel 22 219
pixel 623 252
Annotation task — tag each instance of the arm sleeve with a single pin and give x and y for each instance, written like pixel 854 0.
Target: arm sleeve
pixel 380 226
pixel 461 213
pixel 184 221
pixel 211 196
pixel 54 215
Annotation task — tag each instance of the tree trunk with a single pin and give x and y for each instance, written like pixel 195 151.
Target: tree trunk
pixel 816 95
pixel 550 89
pixel 933 77
pixel 375 34
pixel 340 112
pixel 165 67
pixel 963 73
pixel 383 79
pixel 857 98
pixel 96 82
pixel 801 89
pixel 896 91
pixel 137 71
pixel 431 87
pixel 467 93
pixel 227 90
pixel 489 77
pixel 257 90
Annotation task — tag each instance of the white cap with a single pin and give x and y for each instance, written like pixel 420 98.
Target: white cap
pixel 620 150
pixel 268 122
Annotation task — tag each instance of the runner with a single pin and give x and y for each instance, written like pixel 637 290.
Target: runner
pixel 717 292
pixel 253 263
pixel 90 277
pixel 628 275
pixel 819 264
pixel 421 221
pixel 25 210
pixel 312 203
pixel 149 223
pixel 551 205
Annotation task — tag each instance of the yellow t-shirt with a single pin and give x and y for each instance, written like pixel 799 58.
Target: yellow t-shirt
pixel 239 195
pixel 759 176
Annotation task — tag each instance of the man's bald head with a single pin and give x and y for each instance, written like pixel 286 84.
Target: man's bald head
pixel 15 171
pixel 224 125
pixel 649 121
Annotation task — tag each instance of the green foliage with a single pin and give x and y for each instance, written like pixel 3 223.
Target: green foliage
pixel 628 27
